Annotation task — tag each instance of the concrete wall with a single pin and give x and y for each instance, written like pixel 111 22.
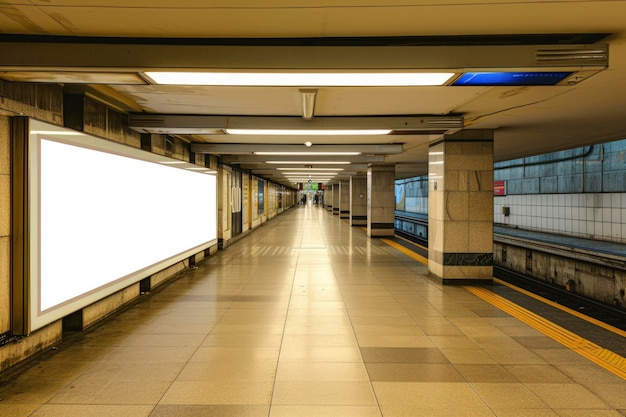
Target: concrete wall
pixel 48 103
pixel 602 280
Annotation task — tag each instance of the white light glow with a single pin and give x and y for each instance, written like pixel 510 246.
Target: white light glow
pixel 309 153
pixel 56 132
pixel 309 162
pixel 302 79
pixel 305 170
pixel 309 132
pixel 101 221
pixel 310 173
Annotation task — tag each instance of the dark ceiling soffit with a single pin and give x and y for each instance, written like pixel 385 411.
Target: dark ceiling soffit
pixel 173 123
pixel 455 40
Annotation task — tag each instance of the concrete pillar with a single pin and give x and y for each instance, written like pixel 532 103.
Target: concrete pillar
pixel 328 197
pixel 358 201
pixel 460 207
pixel 380 200
pixel 344 199
pixel 336 199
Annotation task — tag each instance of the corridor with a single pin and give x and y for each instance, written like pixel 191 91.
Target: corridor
pixel 307 316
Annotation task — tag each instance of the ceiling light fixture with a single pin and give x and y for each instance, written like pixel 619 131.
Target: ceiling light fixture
pixel 308 103
pixel 305 170
pixel 309 162
pixel 301 79
pixel 308 132
pixel 308 153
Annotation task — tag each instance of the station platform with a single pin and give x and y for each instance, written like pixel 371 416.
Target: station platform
pixel 307 316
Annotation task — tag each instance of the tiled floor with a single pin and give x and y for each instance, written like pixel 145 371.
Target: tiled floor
pixel 308 317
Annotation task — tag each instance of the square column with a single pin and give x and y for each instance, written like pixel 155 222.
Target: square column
pixel 328 197
pixel 460 207
pixel 381 202
pixel 358 201
pixel 336 199
pixel 344 199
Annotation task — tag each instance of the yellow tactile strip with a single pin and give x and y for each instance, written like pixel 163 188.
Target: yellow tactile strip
pixel 597 354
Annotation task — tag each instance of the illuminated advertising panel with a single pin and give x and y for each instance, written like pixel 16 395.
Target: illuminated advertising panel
pixel 104 215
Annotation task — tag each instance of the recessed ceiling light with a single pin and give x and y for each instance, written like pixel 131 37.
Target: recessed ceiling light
pixel 302 79
pixel 305 170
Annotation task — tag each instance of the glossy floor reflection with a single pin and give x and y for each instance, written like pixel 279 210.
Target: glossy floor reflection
pixel 308 317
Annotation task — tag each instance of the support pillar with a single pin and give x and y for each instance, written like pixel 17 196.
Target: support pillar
pixel 358 201
pixel 336 199
pixel 380 200
pixel 460 207
pixel 344 199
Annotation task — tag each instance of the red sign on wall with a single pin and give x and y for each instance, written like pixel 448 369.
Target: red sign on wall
pixel 499 188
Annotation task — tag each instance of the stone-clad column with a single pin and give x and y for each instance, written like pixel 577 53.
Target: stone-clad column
pixel 344 199
pixel 358 201
pixel 336 199
pixel 381 201
pixel 460 207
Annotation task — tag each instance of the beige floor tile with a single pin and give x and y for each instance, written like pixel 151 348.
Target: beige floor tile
pixel 243 339
pixel 18 410
pixel 312 340
pixel 114 391
pixel 454 342
pixel 397 397
pixel 403 355
pixel 249 354
pixel 515 356
pixel 413 372
pixel 321 354
pixel 395 341
pixel 387 329
pixel 324 411
pixel 567 396
pixel 485 373
pixel 538 374
pixel 507 395
pixel 175 410
pixel 465 356
pixel 29 391
pixel 525 412
pixel 323 393
pixel 92 410
pixel 228 371
pixel 218 392
pixel 321 371
pixel 589 412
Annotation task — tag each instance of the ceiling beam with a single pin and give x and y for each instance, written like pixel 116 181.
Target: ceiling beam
pixel 199 124
pixel 247 149
pixel 245 159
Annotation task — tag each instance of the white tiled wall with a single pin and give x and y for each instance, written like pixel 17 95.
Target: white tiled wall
pixel 596 216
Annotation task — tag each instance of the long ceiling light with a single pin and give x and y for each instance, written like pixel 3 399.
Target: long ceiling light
pixel 308 153
pixel 305 170
pixel 308 132
pixel 302 79
pixel 309 162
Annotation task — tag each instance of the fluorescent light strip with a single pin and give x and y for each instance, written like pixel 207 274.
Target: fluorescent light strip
pixel 309 162
pixel 302 79
pixel 318 174
pixel 308 169
pixel 308 153
pixel 56 132
pixel 308 132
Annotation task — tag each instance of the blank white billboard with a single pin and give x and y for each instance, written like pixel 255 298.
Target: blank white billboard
pixel 104 215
